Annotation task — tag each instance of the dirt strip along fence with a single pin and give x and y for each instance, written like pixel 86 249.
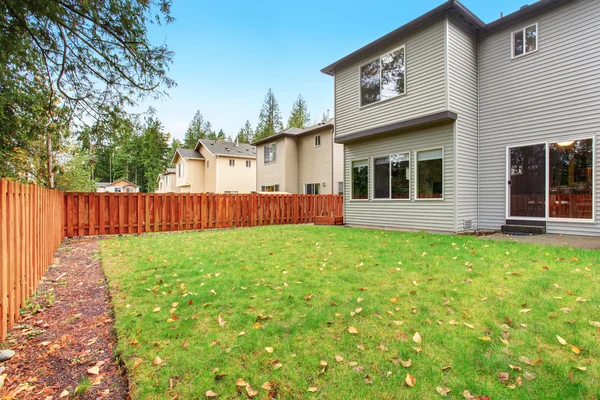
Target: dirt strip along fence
pixel 89 214
pixel 31 230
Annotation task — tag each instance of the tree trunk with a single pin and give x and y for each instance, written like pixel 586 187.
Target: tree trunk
pixel 50 166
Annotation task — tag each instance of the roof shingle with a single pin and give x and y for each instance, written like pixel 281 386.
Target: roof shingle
pixel 224 148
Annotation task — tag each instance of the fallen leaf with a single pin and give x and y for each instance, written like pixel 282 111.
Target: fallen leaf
pixel 267 386
pixel 529 375
pixel 64 393
pixel 418 349
pixel 394 299
pixel 210 394
pixel 222 322
pixel 468 325
pixel 446 367
pixel 503 376
pixel 417 338
pixel 595 323
pixel 515 367
pixel 93 371
pixel 256 325
pixel 406 364
pixel 368 380
pixel 410 380
pixel 575 349
pixel 339 358
pixel 352 330
pixel 157 361
pixel 485 338
pixel 251 392
pixel 137 362
pixel 269 349
pixel 468 395
pixel 156 309
pixel 581 368
pixel 241 383
pixel 525 310
pixel 443 391
pixel 561 340
pixel 313 389
pixel 308 297
pixel 358 300
pixel 525 360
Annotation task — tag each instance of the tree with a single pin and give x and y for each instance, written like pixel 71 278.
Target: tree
pixel 299 117
pixel 153 154
pixel 175 144
pixel 199 128
pixel 87 58
pixel 246 134
pixel 221 135
pixel 269 120
pixel 75 172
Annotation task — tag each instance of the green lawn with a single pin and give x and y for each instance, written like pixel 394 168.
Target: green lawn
pixel 289 295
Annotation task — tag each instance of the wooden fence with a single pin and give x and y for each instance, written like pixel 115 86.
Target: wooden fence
pixel 88 214
pixel 30 232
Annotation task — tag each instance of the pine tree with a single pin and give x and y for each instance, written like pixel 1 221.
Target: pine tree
pixel 269 120
pixel 300 117
pixel 153 154
pixel 199 128
pixel 221 135
pixel 246 134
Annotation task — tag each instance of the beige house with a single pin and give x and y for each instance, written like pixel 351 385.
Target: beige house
pixel 215 167
pixel 120 186
pixel 301 161
pixel 166 181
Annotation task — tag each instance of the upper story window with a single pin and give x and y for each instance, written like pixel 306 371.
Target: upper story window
pixel 270 153
pixel 248 164
pixel 525 41
pixel 383 78
pixel 167 180
pixel 317 140
pixel 207 163
pixel 232 162
pixel 180 170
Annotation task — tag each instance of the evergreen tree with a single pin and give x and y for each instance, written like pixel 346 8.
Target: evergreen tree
pixel 246 134
pixel 221 135
pixel 199 128
pixel 269 120
pixel 175 144
pixel 153 155
pixel 299 117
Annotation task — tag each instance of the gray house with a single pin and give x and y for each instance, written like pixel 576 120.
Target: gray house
pixel 450 124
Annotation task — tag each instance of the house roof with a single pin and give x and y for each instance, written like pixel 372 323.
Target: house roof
pixel 226 148
pixel 293 132
pixel 187 153
pixel 417 23
pixel 102 184
pixel 127 183
pixel 168 171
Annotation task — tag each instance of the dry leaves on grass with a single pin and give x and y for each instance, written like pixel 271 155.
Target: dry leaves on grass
pixel 410 380
pixel 352 330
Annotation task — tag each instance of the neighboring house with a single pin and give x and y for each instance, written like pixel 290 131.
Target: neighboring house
pixel 166 181
pixel 301 161
pixel 450 124
pixel 215 167
pixel 120 186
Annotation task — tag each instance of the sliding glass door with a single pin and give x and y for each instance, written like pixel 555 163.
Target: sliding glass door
pixel 551 180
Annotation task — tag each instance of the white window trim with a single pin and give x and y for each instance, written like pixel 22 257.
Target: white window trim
pixel 416 169
pixel 266 186
pixel 360 105
pixel 525 52
pixel 352 179
pixel 312 183
pixel 275 160
pixel 315 140
pixel 390 168
pixel 547 196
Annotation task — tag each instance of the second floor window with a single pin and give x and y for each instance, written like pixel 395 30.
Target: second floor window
pixel 317 140
pixel 248 164
pixel 525 41
pixel 180 170
pixel 231 162
pixel 383 78
pixel 270 153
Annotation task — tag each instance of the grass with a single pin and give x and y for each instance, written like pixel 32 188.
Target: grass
pixel 468 299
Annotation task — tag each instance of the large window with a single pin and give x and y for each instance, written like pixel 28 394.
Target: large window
pixel 270 153
pixel 312 188
pixel 571 179
pixel 270 188
pixel 392 177
pixel 383 78
pixel 360 179
pixel 525 41
pixel 430 174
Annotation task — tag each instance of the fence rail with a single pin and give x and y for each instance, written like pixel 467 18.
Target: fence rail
pixel 30 232
pixel 89 214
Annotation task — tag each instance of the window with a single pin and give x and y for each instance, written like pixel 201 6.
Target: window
pixel 270 153
pixel 232 162
pixel 118 190
pixel 570 171
pixel 317 140
pixel 340 187
pixel 270 188
pixel 311 188
pixel 383 78
pixel 430 171
pixel 248 164
pixel 129 189
pixel 180 170
pixel 392 177
pixel 160 186
pixel 167 180
pixel 360 180
pixel 207 163
pixel 525 41
pixel 231 192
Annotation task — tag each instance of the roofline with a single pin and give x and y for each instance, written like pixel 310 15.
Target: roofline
pixel 191 158
pixel 418 22
pixel 197 148
pixel 122 179
pixel 310 129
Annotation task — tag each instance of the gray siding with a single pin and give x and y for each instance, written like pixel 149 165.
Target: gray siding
pixel 553 94
pixel 432 215
pixel 425 85
pixel 462 99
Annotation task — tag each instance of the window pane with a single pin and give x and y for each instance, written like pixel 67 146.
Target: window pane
pixel 528 181
pixel 430 176
pixel 392 74
pixel 360 179
pixel 382 178
pixel 571 179
pixel 400 176
pixel 340 187
pixel 530 39
pixel 370 83
pixel 518 43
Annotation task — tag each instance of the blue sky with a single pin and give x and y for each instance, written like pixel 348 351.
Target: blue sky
pixel 228 53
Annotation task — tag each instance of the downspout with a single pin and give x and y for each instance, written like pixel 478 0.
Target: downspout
pixel 216 173
pixel 478 150
pixel 332 163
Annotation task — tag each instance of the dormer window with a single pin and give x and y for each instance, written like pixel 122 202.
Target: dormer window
pixel 383 78
pixel 525 41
